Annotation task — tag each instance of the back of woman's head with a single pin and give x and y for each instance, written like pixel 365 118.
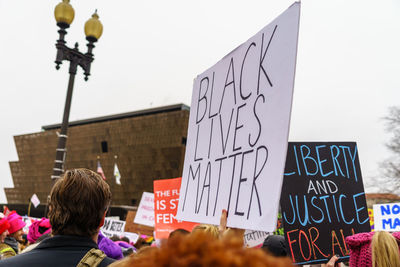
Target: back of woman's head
pixel 385 250
pixel 207 228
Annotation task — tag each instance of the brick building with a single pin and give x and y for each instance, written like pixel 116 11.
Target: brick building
pixel 379 198
pixel 148 145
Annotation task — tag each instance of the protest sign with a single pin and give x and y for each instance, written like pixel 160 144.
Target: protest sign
pixel 35 200
pixel 145 212
pixel 254 238
pixel 387 217
pixel 371 219
pixel 238 130
pixel 322 200
pixel 133 237
pixel 132 227
pixel 113 227
pixel 166 197
pixel 113 218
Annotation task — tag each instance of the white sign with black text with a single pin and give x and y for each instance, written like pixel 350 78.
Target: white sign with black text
pixel 238 130
pixel 113 227
pixel 254 238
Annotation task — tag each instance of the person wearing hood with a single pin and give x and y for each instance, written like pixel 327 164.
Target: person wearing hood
pixel 15 231
pixel 111 249
pixel 275 245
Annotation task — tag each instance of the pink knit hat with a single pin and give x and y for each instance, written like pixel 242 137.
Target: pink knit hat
pixel 38 228
pixel 360 248
pixel 4 225
pixel 16 222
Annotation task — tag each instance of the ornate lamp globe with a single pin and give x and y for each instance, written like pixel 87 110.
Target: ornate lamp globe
pixel 64 14
pixel 93 28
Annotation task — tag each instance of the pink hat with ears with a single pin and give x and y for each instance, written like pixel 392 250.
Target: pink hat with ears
pixel 360 248
pixel 38 228
pixel 16 222
pixel 4 225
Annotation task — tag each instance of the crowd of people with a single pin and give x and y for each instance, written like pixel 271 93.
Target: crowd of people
pixel 71 236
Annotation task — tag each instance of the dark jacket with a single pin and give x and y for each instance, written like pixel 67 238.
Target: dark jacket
pixel 59 251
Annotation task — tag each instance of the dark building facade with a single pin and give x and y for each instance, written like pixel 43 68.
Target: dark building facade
pixel 146 145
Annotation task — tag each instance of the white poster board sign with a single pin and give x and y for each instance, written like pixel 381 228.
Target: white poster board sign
pixel 254 238
pixel 35 200
pixel 387 217
pixel 113 218
pixel 238 130
pixel 113 227
pixel 133 237
pixel 145 212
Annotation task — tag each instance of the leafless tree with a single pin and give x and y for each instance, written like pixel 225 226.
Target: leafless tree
pixel 390 168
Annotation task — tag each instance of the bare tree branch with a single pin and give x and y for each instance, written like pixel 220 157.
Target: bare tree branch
pixel 390 168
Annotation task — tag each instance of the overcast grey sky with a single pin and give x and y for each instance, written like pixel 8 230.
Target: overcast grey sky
pixel 347 73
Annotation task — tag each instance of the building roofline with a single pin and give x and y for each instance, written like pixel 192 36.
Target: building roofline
pixel 144 112
pixel 382 196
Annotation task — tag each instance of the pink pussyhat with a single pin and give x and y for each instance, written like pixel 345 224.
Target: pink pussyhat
pixel 4 225
pixel 360 248
pixel 38 228
pixel 16 222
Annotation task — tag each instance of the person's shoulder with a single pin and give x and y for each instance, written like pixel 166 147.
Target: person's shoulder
pixel 16 261
pixel 106 261
pixel 3 246
pixel 38 259
pixel 6 251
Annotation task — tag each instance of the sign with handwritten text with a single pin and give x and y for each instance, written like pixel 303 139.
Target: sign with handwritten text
pixel 133 237
pixel 145 212
pixel 387 217
pixel 238 130
pixel 254 238
pixel 112 227
pixel 322 200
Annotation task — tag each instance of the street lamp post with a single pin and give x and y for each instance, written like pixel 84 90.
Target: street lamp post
pixel 64 14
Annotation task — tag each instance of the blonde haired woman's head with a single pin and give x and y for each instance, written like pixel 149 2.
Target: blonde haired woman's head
pixel 385 250
pixel 207 228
